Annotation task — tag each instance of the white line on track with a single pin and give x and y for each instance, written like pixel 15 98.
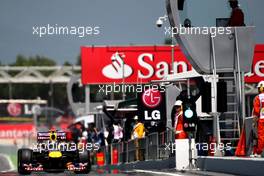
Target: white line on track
pixel 158 173
pixel 11 165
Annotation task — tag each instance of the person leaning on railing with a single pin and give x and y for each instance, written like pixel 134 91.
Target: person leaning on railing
pixel 138 129
pixel 137 134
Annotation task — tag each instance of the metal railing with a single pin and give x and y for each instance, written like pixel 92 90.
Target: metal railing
pixel 165 138
pixel 151 147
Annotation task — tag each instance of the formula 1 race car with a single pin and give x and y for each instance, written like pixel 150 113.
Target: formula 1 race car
pixel 54 152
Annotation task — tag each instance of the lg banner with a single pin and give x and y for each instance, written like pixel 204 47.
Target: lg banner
pixel 133 64
pixel 152 109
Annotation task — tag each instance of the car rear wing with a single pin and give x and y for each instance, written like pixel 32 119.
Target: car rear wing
pixel 51 135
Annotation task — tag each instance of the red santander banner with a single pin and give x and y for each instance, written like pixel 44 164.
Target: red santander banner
pixel 257 70
pixel 16 130
pixel 134 64
pixel 142 64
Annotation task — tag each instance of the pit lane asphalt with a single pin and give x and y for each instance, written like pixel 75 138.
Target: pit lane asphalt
pixel 169 172
pixel 93 173
pixel 132 173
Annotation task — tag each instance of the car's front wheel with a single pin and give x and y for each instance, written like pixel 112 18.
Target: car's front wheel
pixel 24 156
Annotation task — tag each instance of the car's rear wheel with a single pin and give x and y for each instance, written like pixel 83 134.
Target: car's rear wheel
pixel 84 158
pixel 24 156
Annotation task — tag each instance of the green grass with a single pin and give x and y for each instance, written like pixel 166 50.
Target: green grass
pixel 13 158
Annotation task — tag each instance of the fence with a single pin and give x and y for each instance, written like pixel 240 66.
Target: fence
pixel 152 147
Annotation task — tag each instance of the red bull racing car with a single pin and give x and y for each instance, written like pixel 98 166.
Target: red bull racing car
pixel 54 152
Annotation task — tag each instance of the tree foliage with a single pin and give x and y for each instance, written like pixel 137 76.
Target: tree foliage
pixel 78 60
pixel 33 61
pixel 66 63
pixel 169 41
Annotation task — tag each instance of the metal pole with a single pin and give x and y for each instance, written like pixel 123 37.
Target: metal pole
pixel 157 140
pixel 188 89
pixel 51 94
pixel 146 146
pixel 248 106
pixel 87 99
pixel 10 90
pixel 123 80
pixel 35 116
pixel 172 54
pixel 46 115
pixel 215 113
pixel 240 99
pixel 214 74
pixel 168 122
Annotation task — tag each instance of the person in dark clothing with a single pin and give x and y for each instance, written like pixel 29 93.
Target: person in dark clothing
pixel 101 138
pixel 76 130
pixel 92 133
pixel 237 15
pixel 110 136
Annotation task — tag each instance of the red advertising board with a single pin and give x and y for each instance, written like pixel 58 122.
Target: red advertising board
pixel 16 130
pixel 257 70
pixel 141 64
pixel 104 65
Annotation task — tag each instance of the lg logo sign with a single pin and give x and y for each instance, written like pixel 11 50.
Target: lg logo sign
pixel 152 98
pixel 152 108
pixel 155 115
pixel 14 109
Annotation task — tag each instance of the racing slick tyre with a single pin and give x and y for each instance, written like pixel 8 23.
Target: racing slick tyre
pixel 24 156
pixel 84 157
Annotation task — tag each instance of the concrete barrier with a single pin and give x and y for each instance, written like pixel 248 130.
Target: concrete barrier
pixel 232 165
